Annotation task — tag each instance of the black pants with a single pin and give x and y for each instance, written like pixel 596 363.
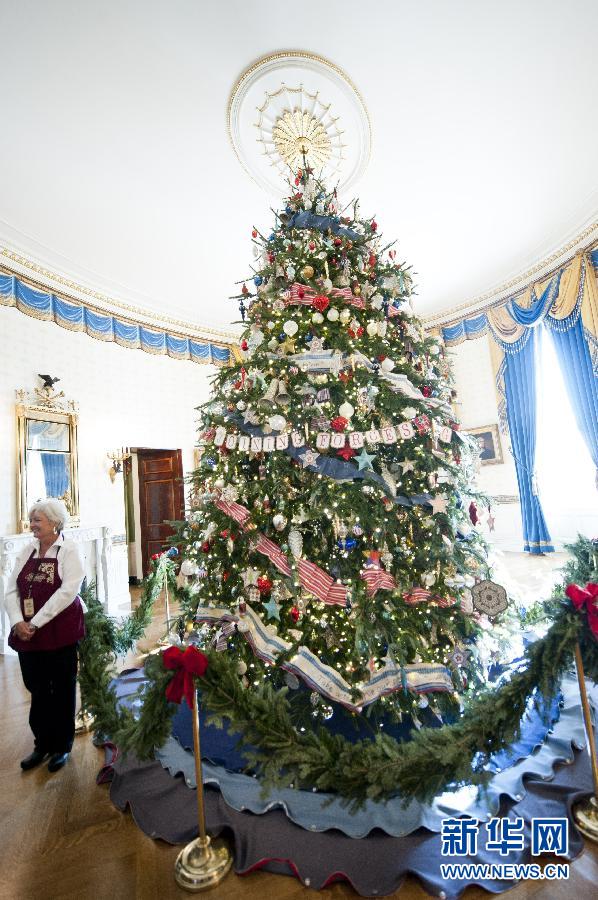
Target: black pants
pixel 51 678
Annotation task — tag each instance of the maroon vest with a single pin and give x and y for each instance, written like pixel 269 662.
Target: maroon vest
pixel 39 579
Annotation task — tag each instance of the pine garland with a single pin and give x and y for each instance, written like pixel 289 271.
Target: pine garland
pixel 419 769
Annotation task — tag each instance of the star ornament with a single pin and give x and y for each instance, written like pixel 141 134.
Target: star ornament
pixel 364 460
pixel 439 504
pixel 249 577
pixel 308 458
pixel 407 465
pixel 273 609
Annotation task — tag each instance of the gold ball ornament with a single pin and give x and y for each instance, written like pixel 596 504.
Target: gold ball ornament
pixel 307 272
pixel 356 290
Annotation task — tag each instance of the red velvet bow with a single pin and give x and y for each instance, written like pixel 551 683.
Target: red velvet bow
pixel 187 664
pixel 585 597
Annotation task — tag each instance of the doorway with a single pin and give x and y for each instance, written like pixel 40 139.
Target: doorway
pixel 155 496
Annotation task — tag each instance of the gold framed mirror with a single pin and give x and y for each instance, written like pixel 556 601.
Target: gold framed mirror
pixel 47 452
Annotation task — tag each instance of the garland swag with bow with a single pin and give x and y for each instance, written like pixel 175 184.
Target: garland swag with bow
pixel 420 768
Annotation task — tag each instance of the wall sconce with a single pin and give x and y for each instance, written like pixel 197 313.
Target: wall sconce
pixel 117 458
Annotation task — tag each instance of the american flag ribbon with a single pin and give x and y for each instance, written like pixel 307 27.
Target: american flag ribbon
pixel 320 584
pixel 311 576
pixel 376 579
pixel 274 553
pixel 302 295
pixel 235 510
pixel 421 595
pixel 221 637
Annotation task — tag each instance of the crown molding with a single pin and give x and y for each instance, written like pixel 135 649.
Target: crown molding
pixel 40 274
pixel 584 239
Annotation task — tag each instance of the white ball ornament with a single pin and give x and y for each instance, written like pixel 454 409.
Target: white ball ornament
pixel 327 285
pixel 345 316
pixel 279 521
pixel 346 410
pixel 332 315
pixel 277 423
pixel 372 328
pixel 317 318
pixel 290 327
pixel 387 365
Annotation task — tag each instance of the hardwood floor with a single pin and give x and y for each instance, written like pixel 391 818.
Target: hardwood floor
pixel 62 839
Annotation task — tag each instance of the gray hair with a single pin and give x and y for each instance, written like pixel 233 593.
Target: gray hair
pixel 53 509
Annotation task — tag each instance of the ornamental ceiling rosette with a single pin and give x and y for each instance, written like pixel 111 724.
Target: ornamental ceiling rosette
pixel 293 102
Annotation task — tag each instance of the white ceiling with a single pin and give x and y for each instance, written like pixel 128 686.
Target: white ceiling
pixel 116 168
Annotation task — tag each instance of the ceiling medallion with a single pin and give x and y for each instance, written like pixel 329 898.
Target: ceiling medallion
pixel 297 134
pixel 290 121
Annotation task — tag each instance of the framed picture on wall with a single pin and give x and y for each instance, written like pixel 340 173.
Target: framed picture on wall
pixel 488 439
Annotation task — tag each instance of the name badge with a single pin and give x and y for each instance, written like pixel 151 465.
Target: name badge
pixel 28 607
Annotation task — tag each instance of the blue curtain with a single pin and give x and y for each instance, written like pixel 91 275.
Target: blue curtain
pixel 56 475
pixel 582 385
pixel 520 391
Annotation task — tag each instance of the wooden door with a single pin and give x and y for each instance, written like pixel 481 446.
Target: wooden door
pixel 161 498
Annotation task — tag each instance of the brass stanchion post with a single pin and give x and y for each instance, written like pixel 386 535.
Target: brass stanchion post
pixel 204 862
pixel 165 641
pixel 586 812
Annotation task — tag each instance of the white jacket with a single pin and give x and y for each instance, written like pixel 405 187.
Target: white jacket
pixel 70 570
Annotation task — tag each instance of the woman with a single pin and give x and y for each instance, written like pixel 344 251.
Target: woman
pixel 46 615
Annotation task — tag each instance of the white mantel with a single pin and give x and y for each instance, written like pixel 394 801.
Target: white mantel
pixel 106 563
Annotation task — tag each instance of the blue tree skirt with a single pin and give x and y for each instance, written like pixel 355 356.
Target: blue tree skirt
pixel 295 833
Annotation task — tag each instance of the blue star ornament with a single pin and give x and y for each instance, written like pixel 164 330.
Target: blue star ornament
pixel 273 609
pixel 364 460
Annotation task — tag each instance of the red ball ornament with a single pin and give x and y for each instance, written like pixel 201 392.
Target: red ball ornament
pixel 339 423
pixel 245 290
pixel 312 245
pixel 264 586
pixel 338 242
pixel 156 556
pixel 372 260
pixel 244 345
pixel 374 226
pixel 225 576
pixel 473 513
pixel 254 233
pixel 205 547
pixel 320 303
pixel 294 612
pixel 427 390
pixel 381 357
pixel 360 331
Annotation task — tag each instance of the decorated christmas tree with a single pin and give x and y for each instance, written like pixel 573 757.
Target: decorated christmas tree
pixel 331 543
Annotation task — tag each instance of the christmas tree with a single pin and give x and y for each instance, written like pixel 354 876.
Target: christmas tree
pixel 330 544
